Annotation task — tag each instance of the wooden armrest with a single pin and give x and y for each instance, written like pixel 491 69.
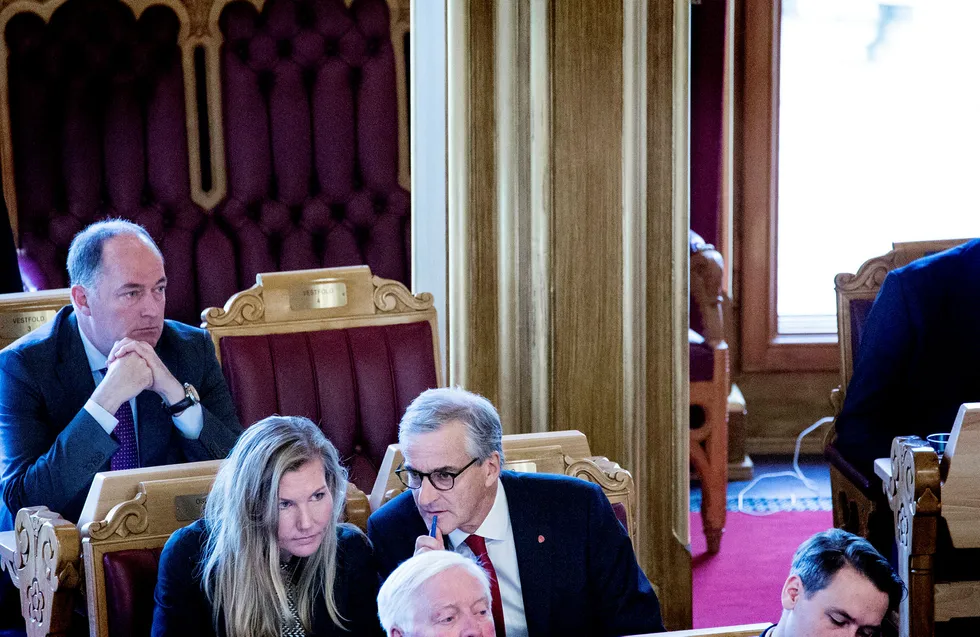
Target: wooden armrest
pixel 8 549
pixel 883 469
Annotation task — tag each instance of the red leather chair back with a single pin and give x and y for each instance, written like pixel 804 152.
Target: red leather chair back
pixel 355 383
pixel 130 577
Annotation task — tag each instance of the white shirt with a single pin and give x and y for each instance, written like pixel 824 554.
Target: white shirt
pixel 189 423
pixel 502 551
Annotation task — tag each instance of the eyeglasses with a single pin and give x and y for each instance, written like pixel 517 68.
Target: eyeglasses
pixel 440 479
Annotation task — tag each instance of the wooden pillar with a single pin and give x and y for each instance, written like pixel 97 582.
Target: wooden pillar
pixel 568 239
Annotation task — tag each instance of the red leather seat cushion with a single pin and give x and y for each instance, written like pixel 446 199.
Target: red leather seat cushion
pixel 130 577
pixel 355 383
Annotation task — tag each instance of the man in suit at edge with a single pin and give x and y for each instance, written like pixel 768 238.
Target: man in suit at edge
pixel 916 361
pixel 108 384
pixel 560 563
pixel 838 585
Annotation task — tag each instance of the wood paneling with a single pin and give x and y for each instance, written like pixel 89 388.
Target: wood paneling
pixel 781 405
pixel 587 120
pixel 473 206
pixel 587 300
pixel 666 557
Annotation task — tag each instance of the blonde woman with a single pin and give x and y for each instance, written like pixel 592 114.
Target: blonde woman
pixel 270 558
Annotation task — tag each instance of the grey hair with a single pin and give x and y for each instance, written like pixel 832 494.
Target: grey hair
pixel 85 252
pixel 434 408
pixel 402 588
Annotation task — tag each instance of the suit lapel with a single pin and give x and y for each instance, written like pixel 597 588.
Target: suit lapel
pixel 533 540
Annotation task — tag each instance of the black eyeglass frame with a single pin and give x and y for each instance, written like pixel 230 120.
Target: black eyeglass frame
pixel 422 476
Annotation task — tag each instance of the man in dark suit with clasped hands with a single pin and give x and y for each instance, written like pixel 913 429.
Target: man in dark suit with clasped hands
pixel 560 562
pixel 108 384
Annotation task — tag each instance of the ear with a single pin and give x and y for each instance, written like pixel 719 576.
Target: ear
pixel 396 632
pixel 79 299
pixel 492 465
pixel 792 591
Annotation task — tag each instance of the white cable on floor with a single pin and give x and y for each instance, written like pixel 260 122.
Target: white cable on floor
pixel 795 473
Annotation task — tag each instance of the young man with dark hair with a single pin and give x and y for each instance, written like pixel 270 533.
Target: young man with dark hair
pixel 838 585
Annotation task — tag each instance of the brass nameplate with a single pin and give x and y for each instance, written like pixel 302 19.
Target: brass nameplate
pixel 318 296
pixel 15 325
pixel 188 508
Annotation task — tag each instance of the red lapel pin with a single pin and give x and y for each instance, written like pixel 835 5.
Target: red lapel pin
pixel 540 539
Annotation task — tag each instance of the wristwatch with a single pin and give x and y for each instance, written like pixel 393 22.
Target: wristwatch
pixel 191 398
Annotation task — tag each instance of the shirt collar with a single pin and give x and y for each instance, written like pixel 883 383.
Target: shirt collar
pixel 96 359
pixel 495 526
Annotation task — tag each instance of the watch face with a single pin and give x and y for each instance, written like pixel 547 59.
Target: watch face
pixel 191 393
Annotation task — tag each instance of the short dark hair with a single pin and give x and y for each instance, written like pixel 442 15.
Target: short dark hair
pixel 85 252
pixel 818 560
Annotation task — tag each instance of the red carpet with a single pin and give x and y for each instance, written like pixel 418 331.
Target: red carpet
pixel 742 583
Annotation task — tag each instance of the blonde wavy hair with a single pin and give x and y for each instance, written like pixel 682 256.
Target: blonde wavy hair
pixel 240 562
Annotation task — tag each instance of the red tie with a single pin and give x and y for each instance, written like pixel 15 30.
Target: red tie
pixel 479 547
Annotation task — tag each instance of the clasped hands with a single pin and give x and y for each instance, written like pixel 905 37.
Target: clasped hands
pixel 133 366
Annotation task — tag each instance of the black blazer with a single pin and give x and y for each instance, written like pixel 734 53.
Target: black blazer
pixel 579 575
pixel 182 609
pixel 51 448
pixel 916 363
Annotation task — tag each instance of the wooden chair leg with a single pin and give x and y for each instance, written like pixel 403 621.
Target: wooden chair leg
pixel 713 471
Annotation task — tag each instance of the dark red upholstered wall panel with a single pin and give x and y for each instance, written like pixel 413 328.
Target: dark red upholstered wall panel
pixel 707 90
pixel 355 383
pixel 97 110
pixel 311 133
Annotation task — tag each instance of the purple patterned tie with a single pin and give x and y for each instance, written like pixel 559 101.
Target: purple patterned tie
pixel 126 456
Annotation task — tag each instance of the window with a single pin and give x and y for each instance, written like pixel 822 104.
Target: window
pixel 860 130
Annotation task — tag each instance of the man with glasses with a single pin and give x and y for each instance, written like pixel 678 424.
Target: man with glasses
pixel 559 561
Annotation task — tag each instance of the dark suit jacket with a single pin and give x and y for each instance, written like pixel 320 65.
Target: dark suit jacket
pixel 51 448
pixel 917 360
pixel 182 608
pixel 583 578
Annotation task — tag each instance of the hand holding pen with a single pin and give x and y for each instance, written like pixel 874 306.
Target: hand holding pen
pixel 431 542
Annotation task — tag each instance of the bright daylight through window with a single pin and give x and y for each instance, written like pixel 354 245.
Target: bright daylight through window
pixel 879 139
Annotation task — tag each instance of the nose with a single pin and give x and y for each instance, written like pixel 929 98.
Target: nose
pixel 304 520
pixel 473 626
pixel 152 304
pixel 427 493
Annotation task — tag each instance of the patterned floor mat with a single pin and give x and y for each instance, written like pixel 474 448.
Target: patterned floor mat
pixel 770 505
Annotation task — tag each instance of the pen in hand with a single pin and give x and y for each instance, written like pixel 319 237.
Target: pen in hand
pixel 432 531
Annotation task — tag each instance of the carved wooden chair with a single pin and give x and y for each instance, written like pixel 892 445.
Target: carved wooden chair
pixel 710 387
pixel 114 549
pixel 859 505
pixel 557 452
pixel 346 349
pixel 246 136
pixel 937 524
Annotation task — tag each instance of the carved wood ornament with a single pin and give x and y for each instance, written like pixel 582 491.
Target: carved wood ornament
pixel 46 570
